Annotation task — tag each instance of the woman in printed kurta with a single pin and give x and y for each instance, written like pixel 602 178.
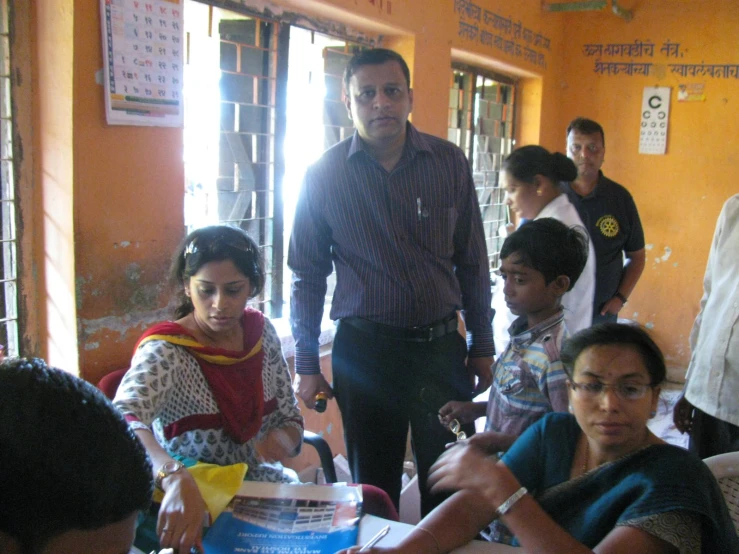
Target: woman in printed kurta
pixel 213 385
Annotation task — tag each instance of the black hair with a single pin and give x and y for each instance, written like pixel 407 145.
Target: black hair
pixel 528 161
pixel 620 334
pixel 550 247
pixel 374 56
pixel 68 459
pixel 214 244
pixel 586 126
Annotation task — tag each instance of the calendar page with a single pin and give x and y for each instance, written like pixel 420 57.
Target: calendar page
pixel 143 52
pixel 655 114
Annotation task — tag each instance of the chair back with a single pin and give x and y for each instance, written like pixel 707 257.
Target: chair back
pixel 109 383
pixel 725 468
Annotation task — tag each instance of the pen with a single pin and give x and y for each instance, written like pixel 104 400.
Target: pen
pixel 418 203
pixel 374 540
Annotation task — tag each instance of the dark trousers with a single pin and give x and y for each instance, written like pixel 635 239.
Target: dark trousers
pixel 382 385
pixel 710 436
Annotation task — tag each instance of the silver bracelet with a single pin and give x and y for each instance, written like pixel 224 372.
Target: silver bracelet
pixel 508 504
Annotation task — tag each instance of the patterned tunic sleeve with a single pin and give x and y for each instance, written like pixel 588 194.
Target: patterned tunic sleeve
pixel 146 387
pixel 277 385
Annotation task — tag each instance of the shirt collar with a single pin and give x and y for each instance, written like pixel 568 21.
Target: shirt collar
pixel 414 143
pixel 553 208
pixel 522 338
pixel 597 188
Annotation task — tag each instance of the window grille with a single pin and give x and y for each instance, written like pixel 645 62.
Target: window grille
pixel 481 123
pixel 8 237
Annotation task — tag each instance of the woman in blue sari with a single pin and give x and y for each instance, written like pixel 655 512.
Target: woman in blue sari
pixel 594 480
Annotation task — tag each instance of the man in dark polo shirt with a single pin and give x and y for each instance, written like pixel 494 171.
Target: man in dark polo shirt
pixel 610 215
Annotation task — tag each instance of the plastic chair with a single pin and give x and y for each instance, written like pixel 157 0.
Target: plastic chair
pixel 725 468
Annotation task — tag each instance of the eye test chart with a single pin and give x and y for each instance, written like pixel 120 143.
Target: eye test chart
pixel 655 114
pixel 143 54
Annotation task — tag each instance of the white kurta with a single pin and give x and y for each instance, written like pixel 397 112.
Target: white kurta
pixel 713 375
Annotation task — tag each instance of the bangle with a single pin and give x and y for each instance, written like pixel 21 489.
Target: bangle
pixel 436 541
pixel 621 297
pixel 508 504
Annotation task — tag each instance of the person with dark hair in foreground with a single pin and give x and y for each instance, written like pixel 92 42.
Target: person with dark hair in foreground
pixel 213 385
pixel 73 477
pixel 594 480
pixel 395 212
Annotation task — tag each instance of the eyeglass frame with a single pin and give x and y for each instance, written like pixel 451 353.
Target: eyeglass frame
pixel 456 427
pixel 192 247
pixel 587 389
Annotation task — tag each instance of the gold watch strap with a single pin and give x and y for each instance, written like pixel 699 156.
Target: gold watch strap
pixel 167 469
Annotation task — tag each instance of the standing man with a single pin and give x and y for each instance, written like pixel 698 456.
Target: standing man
pixel 395 212
pixel 609 213
pixel 709 407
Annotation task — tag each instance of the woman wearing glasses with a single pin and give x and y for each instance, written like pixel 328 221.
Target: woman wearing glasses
pixel 594 480
pixel 212 385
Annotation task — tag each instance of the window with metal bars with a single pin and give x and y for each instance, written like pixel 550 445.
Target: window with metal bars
pixel 247 172
pixel 481 123
pixel 8 237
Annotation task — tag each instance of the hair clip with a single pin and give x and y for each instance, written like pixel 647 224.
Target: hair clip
pixel 190 249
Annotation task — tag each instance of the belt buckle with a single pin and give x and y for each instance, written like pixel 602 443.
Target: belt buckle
pixel 420 330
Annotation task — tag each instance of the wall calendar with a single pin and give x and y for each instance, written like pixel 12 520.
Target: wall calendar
pixel 143 53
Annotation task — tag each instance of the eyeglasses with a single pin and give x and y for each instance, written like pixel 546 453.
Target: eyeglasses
pixel 202 245
pixel 432 399
pixel 625 391
pixel 456 427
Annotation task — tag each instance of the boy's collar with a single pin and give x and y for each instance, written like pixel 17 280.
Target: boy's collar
pixel 521 335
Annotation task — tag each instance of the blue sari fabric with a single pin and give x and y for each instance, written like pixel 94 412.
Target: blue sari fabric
pixel 655 480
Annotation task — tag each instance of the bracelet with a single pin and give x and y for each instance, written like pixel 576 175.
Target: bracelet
pixel 436 541
pixel 508 504
pixel 621 297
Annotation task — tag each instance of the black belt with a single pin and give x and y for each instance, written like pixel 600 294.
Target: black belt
pixel 425 333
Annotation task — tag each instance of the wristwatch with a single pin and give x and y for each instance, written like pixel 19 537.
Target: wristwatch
pixel 167 469
pixel 621 297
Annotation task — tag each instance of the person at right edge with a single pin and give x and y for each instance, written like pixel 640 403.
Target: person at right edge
pixel 611 218
pixel 395 212
pixel 708 408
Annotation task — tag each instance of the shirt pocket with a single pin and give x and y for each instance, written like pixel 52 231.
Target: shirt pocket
pixel 518 395
pixel 435 229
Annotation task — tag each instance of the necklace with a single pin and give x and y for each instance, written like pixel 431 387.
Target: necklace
pixel 587 457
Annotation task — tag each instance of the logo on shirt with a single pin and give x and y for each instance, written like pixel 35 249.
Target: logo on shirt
pixel 608 226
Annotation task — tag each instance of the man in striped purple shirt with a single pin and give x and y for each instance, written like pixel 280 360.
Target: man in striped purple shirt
pixel 395 212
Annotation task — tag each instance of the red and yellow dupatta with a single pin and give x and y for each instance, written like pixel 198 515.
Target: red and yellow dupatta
pixel 235 378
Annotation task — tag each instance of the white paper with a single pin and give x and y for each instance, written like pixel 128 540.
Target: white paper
pixel 655 115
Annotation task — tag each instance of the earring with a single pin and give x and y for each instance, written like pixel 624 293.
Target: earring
pixel 572 410
pixel 538 192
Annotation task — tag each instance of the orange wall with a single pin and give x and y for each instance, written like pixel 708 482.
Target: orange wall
pixel 679 195
pixel 53 169
pixel 111 198
pixel 128 214
pixel 107 201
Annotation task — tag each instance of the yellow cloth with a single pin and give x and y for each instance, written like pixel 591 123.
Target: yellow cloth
pixel 217 485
